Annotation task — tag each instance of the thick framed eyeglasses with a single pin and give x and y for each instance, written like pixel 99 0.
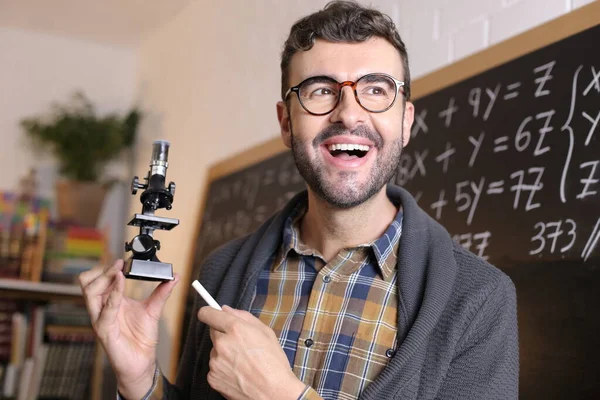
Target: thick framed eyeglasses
pixel 320 95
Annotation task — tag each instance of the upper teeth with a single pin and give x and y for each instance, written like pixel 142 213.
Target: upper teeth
pixel 348 146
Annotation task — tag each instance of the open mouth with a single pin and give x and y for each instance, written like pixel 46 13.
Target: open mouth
pixel 348 151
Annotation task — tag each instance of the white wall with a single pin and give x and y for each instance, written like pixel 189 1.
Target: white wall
pixel 439 32
pixel 37 69
pixel 209 80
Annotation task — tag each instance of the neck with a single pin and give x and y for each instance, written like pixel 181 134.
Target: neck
pixel 329 230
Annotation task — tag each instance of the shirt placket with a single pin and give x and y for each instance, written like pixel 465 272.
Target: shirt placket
pixel 317 327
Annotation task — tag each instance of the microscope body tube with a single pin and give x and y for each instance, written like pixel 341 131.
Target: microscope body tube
pixel 159 162
pixel 157 195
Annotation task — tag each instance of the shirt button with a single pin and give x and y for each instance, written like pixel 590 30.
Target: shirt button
pixel 389 353
pixel 308 342
pixel 327 279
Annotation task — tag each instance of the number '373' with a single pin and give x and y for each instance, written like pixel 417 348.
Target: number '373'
pixel 549 233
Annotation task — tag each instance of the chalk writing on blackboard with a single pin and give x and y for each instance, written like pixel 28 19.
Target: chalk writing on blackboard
pixel 513 156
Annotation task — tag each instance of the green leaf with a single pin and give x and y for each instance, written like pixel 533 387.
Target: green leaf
pixel 82 142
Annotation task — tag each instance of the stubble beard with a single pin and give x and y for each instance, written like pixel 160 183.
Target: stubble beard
pixel 346 192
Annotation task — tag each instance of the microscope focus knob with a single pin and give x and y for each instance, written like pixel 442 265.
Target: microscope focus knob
pixel 143 246
pixel 135 185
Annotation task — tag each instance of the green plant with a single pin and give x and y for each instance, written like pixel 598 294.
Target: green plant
pixel 82 142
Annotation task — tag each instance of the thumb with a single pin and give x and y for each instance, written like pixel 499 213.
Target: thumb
pixel 156 301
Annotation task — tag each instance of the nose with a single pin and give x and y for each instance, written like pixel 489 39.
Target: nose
pixel 348 111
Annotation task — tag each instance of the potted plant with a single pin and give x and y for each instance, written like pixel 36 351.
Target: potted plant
pixel 83 143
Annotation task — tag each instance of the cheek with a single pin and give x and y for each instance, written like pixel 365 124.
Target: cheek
pixel 390 129
pixel 306 128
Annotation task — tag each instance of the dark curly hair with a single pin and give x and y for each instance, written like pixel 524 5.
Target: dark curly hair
pixel 341 21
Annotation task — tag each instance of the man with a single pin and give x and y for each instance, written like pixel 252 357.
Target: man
pixel 351 290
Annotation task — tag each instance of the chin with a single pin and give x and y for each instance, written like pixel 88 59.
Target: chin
pixel 345 196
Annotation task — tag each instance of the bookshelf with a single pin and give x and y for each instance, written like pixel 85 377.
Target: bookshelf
pixel 52 293
pixel 47 344
pixel 47 289
pixel 40 294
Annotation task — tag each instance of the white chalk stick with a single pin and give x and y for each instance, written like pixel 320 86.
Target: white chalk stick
pixel 205 295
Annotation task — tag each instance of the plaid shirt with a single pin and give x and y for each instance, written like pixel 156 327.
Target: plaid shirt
pixel 336 321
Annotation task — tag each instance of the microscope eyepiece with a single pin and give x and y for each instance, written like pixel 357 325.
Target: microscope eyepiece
pixel 160 157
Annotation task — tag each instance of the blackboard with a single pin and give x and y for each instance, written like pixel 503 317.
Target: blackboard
pixel 508 161
pixel 507 158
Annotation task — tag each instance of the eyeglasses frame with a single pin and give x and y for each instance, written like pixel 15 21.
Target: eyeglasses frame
pixel 341 85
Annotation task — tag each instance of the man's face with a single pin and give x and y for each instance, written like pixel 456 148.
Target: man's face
pixel 348 176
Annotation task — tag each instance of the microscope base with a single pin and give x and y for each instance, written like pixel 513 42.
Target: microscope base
pixel 148 270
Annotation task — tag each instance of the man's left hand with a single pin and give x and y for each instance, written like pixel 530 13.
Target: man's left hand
pixel 246 361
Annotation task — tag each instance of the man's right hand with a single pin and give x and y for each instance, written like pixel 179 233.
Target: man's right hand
pixel 127 328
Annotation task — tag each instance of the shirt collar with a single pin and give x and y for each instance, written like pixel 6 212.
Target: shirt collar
pixel 291 236
pixel 384 248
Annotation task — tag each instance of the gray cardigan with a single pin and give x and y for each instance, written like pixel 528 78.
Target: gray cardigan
pixel 457 323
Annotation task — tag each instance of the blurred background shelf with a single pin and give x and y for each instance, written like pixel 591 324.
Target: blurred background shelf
pixel 48 288
pixel 39 291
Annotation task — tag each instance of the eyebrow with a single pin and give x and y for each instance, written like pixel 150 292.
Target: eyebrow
pixel 328 78
pixel 319 78
pixel 373 77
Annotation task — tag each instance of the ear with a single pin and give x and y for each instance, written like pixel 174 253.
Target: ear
pixel 283 117
pixel 409 117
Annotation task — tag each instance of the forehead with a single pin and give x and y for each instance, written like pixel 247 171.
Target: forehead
pixel 346 61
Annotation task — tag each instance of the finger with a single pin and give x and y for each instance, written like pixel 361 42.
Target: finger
pixel 215 336
pixel 216 319
pixel 87 276
pixel 103 280
pixel 245 315
pixel 110 310
pixel 156 301
pixel 92 293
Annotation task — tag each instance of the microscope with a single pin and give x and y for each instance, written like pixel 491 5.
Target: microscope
pixel 143 263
